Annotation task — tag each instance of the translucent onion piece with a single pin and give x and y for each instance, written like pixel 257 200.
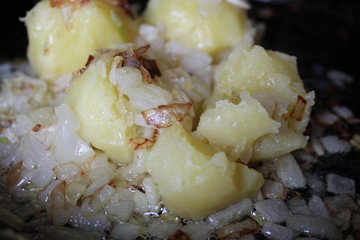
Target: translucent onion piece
pixel 273 210
pixel 313 226
pixel 318 207
pixel 230 214
pixel 198 230
pixel 298 206
pixel 163 229
pixel 165 115
pixel 125 231
pixel 289 172
pixel 122 210
pixel 277 232
pixel 340 185
pixel 333 144
pixel 272 189
pixel 59 233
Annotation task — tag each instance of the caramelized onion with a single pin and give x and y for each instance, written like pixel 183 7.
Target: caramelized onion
pixel 88 62
pixel 299 108
pixel 151 66
pixel 133 58
pixel 140 143
pixel 76 4
pixel 179 235
pixel 13 175
pixel 165 115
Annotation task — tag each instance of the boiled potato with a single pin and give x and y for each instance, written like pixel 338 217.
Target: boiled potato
pixel 272 79
pixel 252 68
pixel 209 26
pixel 230 125
pixel 193 180
pixel 61 37
pixel 101 110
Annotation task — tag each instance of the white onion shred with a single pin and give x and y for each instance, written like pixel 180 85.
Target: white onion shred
pixel 313 226
pixel 289 172
pixel 273 210
pixel 231 213
pixel 277 232
pixel 339 185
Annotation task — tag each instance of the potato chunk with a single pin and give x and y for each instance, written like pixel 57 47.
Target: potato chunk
pixel 61 37
pixel 101 110
pixel 209 26
pixel 236 126
pixel 193 180
pixel 252 68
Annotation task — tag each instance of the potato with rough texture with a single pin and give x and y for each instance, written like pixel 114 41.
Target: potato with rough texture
pixel 195 181
pixel 252 68
pixel 63 33
pixel 101 110
pixel 209 26
pixel 273 80
pixel 236 126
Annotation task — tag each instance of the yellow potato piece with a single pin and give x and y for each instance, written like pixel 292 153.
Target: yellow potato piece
pixel 210 27
pixel 59 45
pixel 230 125
pixel 193 180
pixel 97 104
pixel 252 68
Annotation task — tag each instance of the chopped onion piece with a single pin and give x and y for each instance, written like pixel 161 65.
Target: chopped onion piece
pixel 231 213
pixel 277 232
pixel 90 222
pixel 340 185
pixel 198 230
pixel 237 229
pixel 333 144
pixel 273 210
pixel 165 115
pixel 289 172
pixel 313 226
pixel 298 206
pixel 152 194
pixel 57 232
pixel 343 112
pixel 163 229
pixel 272 189
pixel 340 202
pixel 318 207
pixel 122 210
pixel 125 231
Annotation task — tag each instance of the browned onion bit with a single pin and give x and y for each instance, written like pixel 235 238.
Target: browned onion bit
pixel 140 143
pixel 299 108
pixel 151 66
pixel 58 196
pixel 58 3
pixel 179 235
pixel 165 115
pixel 36 128
pixel 145 74
pixel 88 62
pixel 133 58
pixel 13 175
pixel 141 50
